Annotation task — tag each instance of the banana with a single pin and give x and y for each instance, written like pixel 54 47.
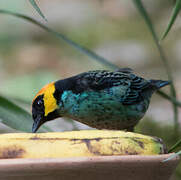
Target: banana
pixel 78 144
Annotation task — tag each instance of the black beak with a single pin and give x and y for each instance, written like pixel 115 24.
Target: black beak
pixel 37 123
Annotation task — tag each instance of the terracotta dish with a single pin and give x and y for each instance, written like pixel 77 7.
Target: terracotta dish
pixel 132 167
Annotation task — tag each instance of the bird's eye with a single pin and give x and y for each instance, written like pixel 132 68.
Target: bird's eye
pixel 40 102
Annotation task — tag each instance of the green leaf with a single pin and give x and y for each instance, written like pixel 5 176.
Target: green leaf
pixel 83 49
pixel 172 156
pixel 61 36
pixel 144 14
pixel 175 12
pixel 16 117
pixel 33 3
pixel 176 145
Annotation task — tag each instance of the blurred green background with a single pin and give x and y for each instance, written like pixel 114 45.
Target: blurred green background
pixel 30 57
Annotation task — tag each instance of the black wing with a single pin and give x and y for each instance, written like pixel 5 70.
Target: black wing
pixel 98 80
pixel 135 92
pixel 101 79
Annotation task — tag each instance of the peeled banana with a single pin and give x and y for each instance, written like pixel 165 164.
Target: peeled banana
pixel 77 144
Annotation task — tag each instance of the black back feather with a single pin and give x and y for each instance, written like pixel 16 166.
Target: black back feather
pixel 102 79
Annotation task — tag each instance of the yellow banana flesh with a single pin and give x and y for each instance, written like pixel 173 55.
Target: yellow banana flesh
pixel 78 144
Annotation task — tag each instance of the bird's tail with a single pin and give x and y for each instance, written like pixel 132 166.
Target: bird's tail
pixel 157 84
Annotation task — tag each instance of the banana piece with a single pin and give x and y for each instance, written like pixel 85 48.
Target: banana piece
pixel 78 144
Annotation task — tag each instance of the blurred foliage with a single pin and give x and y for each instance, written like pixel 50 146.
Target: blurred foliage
pixel 30 83
pixel 37 9
pixel 22 83
pixel 165 132
pixel 175 13
pixel 15 117
pixel 149 23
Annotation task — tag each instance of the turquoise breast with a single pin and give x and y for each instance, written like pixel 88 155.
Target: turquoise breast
pixel 102 109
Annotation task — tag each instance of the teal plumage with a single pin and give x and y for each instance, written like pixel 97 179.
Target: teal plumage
pixel 107 100
pixel 102 110
pixel 104 99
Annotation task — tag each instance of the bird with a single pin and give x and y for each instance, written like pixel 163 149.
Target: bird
pixel 102 99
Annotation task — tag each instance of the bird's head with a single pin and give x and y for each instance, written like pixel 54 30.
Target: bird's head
pixel 44 106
